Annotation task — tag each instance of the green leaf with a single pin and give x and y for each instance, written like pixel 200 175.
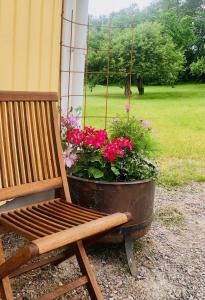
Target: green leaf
pixel 115 171
pixel 96 173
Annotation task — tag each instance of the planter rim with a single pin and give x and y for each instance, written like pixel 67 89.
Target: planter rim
pixel 110 182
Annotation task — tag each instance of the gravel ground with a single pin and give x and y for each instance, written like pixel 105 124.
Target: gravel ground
pixel 170 259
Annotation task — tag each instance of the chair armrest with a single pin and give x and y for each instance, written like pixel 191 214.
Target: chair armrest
pixel 79 232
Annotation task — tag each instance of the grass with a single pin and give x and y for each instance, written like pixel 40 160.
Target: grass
pixel 170 215
pixel 177 115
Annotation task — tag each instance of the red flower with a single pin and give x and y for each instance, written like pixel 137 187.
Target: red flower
pixel 115 149
pixel 94 138
pixel 75 136
pixel 124 142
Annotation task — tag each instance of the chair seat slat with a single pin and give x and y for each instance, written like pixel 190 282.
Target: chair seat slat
pixel 60 225
pixel 41 221
pixel 70 212
pixel 51 214
pixel 61 214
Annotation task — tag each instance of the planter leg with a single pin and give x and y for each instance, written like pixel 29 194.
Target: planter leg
pixel 129 248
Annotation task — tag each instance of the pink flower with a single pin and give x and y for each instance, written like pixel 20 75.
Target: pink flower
pixel 70 121
pixel 127 107
pixel 69 157
pixel 146 124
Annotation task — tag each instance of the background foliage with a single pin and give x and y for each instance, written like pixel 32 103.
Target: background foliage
pixel 167 45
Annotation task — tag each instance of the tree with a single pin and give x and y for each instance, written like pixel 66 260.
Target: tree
pixel 198 67
pixel 146 52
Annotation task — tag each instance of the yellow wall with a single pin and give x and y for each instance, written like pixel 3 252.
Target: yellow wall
pixel 30 44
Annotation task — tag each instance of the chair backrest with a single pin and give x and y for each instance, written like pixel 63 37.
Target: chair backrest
pixel 30 148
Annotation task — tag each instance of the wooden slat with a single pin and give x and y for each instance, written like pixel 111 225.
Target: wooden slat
pixel 25 142
pixel 31 142
pixel 50 219
pixel 52 215
pixel 4 170
pixel 59 216
pixel 20 230
pixel 41 140
pixel 73 214
pixel 51 139
pixel 64 289
pixel 35 220
pixel 30 188
pixel 13 143
pixel 80 210
pixel 28 96
pixel 19 142
pixel 42 221
pixel 30 225
pixel 36 142
pixel 7 143
pixel 61 256
pixel 46 140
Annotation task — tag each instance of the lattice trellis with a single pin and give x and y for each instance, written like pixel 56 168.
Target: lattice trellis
pixel 86 94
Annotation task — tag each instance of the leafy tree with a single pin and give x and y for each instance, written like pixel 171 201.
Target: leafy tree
pixel 146 52
pixel 168 44
pixel 198 67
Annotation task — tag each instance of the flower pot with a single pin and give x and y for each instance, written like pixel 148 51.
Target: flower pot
pixel 136 197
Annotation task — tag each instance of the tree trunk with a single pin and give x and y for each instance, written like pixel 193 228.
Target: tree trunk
pixel 140 85
pixel 127 91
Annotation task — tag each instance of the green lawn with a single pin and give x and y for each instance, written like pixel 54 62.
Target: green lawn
pixel 178 118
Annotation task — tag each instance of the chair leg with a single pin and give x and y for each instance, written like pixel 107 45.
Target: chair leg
pixel 92 285
pixel 129 249
pixel 5 286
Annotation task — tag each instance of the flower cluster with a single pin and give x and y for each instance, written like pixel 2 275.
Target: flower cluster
pixel 69 122
pixel 90 153
pixel 87 137
pixel 75 136
pixel 98 139
pixel 95 138
pixel 69 157
pixel 117 148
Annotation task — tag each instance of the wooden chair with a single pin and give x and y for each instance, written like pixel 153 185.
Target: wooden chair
pixel 31 162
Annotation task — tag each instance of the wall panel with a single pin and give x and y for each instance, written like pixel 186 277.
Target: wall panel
pixel 30 44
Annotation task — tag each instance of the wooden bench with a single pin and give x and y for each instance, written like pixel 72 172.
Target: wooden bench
pixel 31 162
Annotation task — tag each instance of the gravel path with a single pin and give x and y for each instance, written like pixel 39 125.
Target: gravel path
pixel 170 259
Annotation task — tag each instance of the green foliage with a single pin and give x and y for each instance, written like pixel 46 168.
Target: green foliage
pixel 91 165
pixel 154 55
pixel 180 29
pixel 169 36
pixel 198 67
pixel 177 115
pixel 141 136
